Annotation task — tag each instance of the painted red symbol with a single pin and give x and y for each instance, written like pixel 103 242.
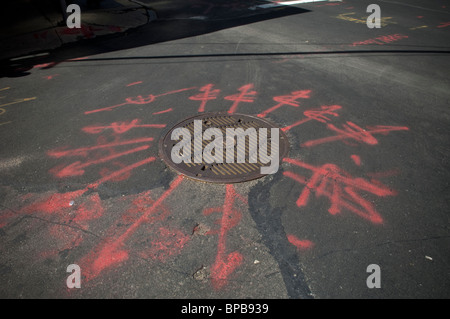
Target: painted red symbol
pixel 225 263
pixel 353 132
pixel 207 95
pixel 340 188
pixel 246 95
pixel 120 127
pixel 290 99
pixel 138 100
pixel 321 115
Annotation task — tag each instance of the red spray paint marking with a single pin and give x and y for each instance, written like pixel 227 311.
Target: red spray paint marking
pixel 120 172
pixel 79 59
pixel 77 168
pixel 207 95
pixel 85 30
pixel 169 243
pixel 45 65
pixel 225 264
pixel 70 209
pixel 164 111
pixel 89 210
pixel 299 243
pixel 53 64
pixel 290 100
pixel 340 188
pixel 105 171
pixel 140 204
pixel 356 159
pixel 134 83
pixel 381 40
pixel 56 203
pixel 444 24
pixel 319 115
pixel 139 100
pixel 111 253
pixel 82 151
pixel 50 77
pixel 5 216
pixel 246 95
pixel 354 132
pixel 120 127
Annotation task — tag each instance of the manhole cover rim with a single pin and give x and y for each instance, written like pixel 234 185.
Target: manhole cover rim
pixel 165 156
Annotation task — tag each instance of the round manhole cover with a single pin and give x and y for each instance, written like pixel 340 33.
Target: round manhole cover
pixel 224 148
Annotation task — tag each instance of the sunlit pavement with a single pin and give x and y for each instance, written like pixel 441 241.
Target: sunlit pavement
pixel 365 181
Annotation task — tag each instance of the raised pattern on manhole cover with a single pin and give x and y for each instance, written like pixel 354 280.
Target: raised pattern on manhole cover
pixel 207 169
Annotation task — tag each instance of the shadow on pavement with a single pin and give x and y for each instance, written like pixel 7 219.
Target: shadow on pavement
pixel 175 20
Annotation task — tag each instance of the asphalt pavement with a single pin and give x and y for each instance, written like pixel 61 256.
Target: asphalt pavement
pixel 365 182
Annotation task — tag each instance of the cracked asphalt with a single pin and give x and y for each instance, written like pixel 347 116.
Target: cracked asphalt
pixel 366 179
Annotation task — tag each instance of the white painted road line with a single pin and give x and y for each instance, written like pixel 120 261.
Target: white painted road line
pixel 288 3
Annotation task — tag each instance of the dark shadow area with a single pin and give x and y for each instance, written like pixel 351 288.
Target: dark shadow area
pixel 291 54
pixel 176 20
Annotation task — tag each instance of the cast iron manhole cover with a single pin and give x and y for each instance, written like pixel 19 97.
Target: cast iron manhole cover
pixel 234 151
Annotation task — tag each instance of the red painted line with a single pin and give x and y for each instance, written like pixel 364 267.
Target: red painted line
pixel 161 112
pixel 77 168
pixel 134 83
pixel 176 91
pixel 444 24
pixel 299 243
pixel 112 253
pixel 120 172
pixel 109 108
pixel 79 59
pixel 225 264
pixel 151 210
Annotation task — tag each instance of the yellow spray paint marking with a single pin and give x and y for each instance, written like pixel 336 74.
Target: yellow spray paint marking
pixel 5 89
pixel 347 17
pixel 19 101
pixel 421 27
pixel 2 110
